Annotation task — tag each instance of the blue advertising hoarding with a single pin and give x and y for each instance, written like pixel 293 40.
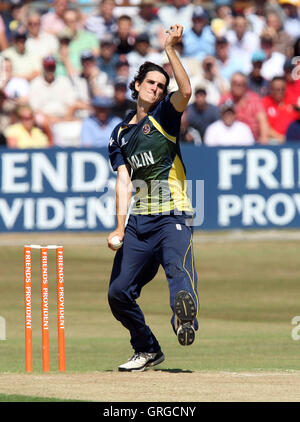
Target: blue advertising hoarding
pixel 73 189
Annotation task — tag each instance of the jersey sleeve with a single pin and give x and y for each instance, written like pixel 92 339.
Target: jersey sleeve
pixel 114 150
pixel 167 116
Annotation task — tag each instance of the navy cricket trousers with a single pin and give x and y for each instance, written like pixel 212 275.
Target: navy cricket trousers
pixel 150 241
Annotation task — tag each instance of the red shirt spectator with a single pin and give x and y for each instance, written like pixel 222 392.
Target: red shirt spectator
pixel 280 112
pixel 248 107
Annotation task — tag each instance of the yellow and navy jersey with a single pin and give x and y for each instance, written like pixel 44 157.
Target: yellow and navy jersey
pixel 151 148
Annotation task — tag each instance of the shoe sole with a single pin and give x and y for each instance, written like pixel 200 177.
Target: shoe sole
pixel 150 363
pixel 186 311
pixel 186 334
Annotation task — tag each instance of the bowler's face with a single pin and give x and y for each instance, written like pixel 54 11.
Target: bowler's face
pixel 152 89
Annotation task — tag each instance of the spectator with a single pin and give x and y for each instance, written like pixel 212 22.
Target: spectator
pixel 273 65
pixel 142 53
pixel 92 82
pixel 293 130
pixel 64 65
pixel 280 112
pixel 199 41
pixel 103 21
pixel 24 133
pixel 39 42
pixel 122 68
pixel 228 131
pixel 242 41
pixel 176 11
pixel 54 102
pixel 3 37
pixel 96 129
pixel 187 133
pixel 291 21
pixel 147 18
pixel 284 42
pixel 224 11
pixel 108 57
pixel 296 48
pixel 124 35
pixel 26 64
pixel 227 63
pixel 15 88
pixel 248 107
pixel 81 40
pixel 52 21
pixel 257 83
pixel 292 82
pixel 122 105
pixel 5 113
pixel 210 77
pixel 201 114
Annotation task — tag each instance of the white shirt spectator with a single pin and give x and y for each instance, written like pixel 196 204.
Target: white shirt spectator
pixel 243 48
pixel 218 134
pixel 51 99
pixel 43 46
pixel 170 14
pixel 273 66
pixel 17 88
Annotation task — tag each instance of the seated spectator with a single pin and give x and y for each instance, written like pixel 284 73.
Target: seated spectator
pixel 108 57
pixel 26 64
pixel 257 83
pixel 273 65
pixel 199 41
pixel 242 41
pixel 92 82
pixel 224 13
pixel 147 18
pixel 52 21
pixel 81 39
pixel 227 63
pixel 292 82
pixel 54 102
pixel 103 21
pixel 15 88
pixel 142 52
pixel 284 42
pixel 201 114
pixel 228 131
pixel 25 134
pixel 248 107
pixel 122 68
pixel 211 78
pixel 176 11
pixel 3 37
pixel 6 112
pixel 122 105
pixel 64 65
pixel 293 130
pixel 124 36
pixel 38 41
pixel 291 19
pixel 96 129
pixel 280 112
pixel 187 133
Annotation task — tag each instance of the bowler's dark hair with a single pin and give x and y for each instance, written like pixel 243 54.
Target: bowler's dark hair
pixel 141 75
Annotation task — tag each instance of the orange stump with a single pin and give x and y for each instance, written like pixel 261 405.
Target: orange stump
pixel 28 308
pixel 60 308
pixel 45 309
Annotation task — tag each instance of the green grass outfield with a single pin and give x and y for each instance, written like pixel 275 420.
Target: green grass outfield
pixel 249 293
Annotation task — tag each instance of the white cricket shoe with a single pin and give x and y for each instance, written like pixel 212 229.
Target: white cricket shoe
pixel 140 361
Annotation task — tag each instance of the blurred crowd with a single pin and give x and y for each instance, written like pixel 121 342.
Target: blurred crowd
pixel 65 68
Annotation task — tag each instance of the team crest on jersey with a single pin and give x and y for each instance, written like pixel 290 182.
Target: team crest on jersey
pixel 146 129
